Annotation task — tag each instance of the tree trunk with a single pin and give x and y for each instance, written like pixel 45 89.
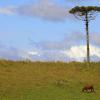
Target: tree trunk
pixel 87 38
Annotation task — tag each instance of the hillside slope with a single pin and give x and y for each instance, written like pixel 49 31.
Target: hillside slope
pixel 45 81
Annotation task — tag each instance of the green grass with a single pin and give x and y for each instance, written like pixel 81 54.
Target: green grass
pixel 48 81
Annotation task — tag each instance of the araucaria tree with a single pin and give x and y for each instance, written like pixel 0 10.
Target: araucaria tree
pixel 85 14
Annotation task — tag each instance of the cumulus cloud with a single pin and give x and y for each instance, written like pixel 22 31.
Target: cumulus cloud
pixel 79 52
pixel 72 47
pixel 68 49
pixel 76 53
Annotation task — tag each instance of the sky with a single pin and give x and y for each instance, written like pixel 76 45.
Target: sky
pixel 44 30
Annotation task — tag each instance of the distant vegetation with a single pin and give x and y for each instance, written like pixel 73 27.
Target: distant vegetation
pixel 25 80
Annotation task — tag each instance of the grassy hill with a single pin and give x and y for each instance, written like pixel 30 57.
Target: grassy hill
pixel 48 81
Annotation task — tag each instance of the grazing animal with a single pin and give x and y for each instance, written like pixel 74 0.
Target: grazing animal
pixel 88 88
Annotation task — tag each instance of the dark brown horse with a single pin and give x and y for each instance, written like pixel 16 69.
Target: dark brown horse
pixel 88 88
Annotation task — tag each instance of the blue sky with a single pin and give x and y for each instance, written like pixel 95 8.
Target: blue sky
pixel 44 30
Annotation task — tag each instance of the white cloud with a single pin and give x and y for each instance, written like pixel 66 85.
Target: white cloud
pixel 27 54
pixel 13 53
pixel 33 53
pixel 78 52
pixel 7 11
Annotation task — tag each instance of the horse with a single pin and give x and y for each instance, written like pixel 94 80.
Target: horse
pixel 88 88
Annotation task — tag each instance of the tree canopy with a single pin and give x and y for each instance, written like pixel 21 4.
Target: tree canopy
pixel 81 12
pixel 84 9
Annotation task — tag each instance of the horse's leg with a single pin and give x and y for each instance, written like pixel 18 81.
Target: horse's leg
pixel 92 89
pixel 83 90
